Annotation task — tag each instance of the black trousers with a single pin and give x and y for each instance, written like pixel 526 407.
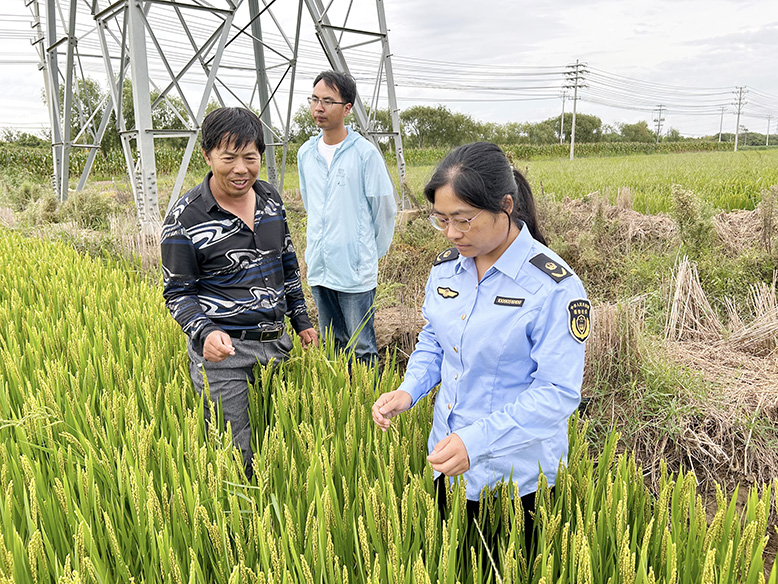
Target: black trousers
pixel 491 535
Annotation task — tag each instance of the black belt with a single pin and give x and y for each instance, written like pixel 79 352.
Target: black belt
pixel 256 335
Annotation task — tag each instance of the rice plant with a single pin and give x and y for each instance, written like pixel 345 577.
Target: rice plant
pixel 109 475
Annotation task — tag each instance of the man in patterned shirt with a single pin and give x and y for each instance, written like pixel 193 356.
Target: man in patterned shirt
pixel 231 272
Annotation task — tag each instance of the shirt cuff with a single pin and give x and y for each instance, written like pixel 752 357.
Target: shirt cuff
pixel 474 439
pixel 412 388
pixel 300 323
pixel 198 340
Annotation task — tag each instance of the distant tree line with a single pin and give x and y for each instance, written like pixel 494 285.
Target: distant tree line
pixel 437 126
pixel 422 126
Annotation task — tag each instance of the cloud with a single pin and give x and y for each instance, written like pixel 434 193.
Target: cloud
pixel 765 36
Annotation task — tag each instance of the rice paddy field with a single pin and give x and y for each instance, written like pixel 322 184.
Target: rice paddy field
pixel 724 180
pixel 108 473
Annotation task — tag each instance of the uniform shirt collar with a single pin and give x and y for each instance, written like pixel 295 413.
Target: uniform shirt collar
pixel 510 262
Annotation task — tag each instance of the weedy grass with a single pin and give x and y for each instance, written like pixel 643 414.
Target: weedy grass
pixel 109 475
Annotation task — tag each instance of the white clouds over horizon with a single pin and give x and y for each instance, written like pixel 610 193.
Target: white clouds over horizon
pixel 689 43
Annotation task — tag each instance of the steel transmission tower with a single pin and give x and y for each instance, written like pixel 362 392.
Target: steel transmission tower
pixel 180 56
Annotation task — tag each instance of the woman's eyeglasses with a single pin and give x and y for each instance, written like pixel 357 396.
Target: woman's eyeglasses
pixel 461 225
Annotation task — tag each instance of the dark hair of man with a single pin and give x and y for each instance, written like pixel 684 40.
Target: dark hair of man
pixel 234 127
pixel 481 176
pixel 343 82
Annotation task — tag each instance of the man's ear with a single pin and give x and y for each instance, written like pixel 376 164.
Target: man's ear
pixel 347 107
pixel 207 158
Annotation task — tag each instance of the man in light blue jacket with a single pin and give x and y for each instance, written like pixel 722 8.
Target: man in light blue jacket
pixel 349 199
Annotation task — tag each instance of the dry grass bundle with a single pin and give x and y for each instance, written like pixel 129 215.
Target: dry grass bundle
pixel 625 199
pixel 732 433
pixel 738 230
pixel 129 242
pixel 7 217
pixel 691 316
pixel 613 350
pixel 760 335
pixel 618 226
pixel 397 327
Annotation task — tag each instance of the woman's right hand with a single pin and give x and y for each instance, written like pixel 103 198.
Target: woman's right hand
pixel 389 405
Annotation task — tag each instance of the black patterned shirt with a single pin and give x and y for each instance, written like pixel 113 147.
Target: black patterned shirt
pixel 221 275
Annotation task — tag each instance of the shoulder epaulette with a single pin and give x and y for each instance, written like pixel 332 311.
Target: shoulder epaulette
pixel 551 268
pixel 446 256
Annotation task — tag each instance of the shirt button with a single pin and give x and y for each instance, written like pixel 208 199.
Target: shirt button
pixel 456 376
pixel 464 316
pixel 449 406
pixel 456 350
pixel 447 432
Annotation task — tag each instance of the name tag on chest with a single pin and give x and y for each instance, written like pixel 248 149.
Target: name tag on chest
pixel 506 301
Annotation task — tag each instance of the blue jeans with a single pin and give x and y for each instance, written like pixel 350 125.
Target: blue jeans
pixel 342 314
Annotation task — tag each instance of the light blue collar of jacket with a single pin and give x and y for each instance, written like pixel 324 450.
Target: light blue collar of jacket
pixel 352 137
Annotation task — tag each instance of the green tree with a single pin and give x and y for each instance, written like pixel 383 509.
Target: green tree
pixel 383 123
pixel 163 117
pixel 639 132
pixel 11 136
pixel 510 133
pixel 436 126
pixel 610 133
pixel 303 126
pixel 673 135
pixel 588 128
pixel 87 98
pixel 542 132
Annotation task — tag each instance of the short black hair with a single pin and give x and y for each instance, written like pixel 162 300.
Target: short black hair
pixel 232 125
pixel 343 82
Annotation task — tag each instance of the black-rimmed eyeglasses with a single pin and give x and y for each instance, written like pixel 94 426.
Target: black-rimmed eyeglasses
pixel 326 102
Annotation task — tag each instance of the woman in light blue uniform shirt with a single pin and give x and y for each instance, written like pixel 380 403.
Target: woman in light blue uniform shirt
pixel 506 324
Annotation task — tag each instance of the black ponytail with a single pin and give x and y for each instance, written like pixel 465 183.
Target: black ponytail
pixel 524 207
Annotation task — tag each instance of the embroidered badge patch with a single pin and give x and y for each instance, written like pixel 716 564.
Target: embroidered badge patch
pixel 447 292
pixel 579 319
pixel 505 301
pixel 446 256
pixel 547 265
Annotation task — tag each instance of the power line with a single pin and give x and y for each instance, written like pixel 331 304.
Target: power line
pixel 472 82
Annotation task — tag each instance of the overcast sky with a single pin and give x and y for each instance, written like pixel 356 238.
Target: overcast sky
pixel 702 44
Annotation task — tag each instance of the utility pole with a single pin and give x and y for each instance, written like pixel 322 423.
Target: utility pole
pixel 767 137
pixel 576 77
pixel 658 121
pixel 740 103
pixel 721 122
pixel 563 95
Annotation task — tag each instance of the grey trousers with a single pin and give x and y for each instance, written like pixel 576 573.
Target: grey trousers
pixel 229 382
